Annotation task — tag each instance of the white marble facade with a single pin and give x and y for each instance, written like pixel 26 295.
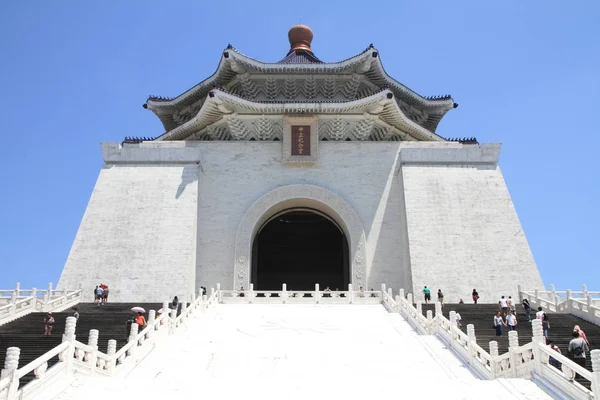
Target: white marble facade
pixel 168 216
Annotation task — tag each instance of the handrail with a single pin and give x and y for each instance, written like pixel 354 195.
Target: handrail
pixel 587 307
pixel 21 372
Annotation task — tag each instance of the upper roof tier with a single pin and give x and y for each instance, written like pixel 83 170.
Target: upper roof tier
pixel 301 77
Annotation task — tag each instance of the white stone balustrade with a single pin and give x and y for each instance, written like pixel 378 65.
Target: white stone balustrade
pixel 18 302
pixel 583 304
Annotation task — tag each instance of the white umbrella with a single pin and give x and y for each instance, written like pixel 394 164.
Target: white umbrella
pixel 138 309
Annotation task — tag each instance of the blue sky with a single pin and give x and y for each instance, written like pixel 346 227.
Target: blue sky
pixel 74 74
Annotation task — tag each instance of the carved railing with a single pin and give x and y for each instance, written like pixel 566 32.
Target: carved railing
pixel 583 304
pixel 285 296
pixel 527 361
pixel 17 303
pixel 87 359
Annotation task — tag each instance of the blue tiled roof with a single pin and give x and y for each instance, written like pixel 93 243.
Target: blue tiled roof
pixel 300 57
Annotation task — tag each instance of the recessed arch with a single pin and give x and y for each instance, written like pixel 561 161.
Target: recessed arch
pixel 299 196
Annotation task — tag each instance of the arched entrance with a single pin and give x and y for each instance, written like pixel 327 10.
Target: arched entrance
pixel 300 247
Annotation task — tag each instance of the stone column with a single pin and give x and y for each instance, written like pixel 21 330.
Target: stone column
pixel 513 344
pixel 493 357
pixel 173 322
pixel 316 294
pixel 151 321
pixel 409 299
pixel 111 350
pixel 49 292
pixel 471 342
pixel 11 363
pixel 430 323
pixel 18 289
pixel 452 320
pixel 595 356
pixel 350 294
pixel 284 294
pixel 538 339
pixel 69 336
pixel 92 358
pixel 220 296
pixel 250 294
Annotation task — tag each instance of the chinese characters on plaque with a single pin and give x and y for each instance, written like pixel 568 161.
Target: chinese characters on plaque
pixel 301 140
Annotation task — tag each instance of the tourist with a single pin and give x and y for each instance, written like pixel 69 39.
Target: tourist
pixel 511 305
pixel 427 294
pixel 174 305
pixel 48 324
pixel 461 301
pixel 582 334
pixel 440 296
pixel 527 308
pixel 540 314
pixel 511 321
pixel 98 295
pixel 458 318
pixel 203 290
pixel 76 313
pixel 140 320
pixel 241 294
pixel 475 296
pixel 327 292
pixel 577 349
pixel 545 324
pixel 104 294
pixel 503 304
pixel 361 292
pixel 373 294
pixel 554 362
pixel 499 323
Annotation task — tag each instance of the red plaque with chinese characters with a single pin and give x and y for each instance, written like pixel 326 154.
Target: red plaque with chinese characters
pixel 301 140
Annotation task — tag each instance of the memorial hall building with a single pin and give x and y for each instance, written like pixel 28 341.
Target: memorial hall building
pixel 300 172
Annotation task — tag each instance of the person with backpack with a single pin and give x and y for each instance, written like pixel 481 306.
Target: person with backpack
pixel 577 349
pixel 427 294
pixel 527 308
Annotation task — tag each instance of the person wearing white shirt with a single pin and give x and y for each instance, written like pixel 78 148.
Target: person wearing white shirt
pixel 511 321
pixel 503 306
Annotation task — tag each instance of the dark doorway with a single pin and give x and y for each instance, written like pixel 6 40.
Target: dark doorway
pixel 300 247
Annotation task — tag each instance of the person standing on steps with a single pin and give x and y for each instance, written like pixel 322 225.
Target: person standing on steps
pixel 98 295
pixel 511 321
pixel 440 296
pixel 511 305
pixel 553 361
pixel 499 323
pixel 527 308
pixel 427 294
pixel 48 324
pixel 503 304
pixel 582 334
pixel 475 296
pixel 545 324
pixel 577 349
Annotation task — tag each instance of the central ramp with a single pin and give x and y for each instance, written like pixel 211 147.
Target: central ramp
pixel 301 352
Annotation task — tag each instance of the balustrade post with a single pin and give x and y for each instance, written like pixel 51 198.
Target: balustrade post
pixel 383 288
pixel 172 321
pixel 284 294
pixel 569 301
pixel 13 297
pixel 401 293
pixel 219 295
pixel 69 336
pixel 584 290
pixel 513 344
pixel 438 309
pixel 34 298
pixel 390 293
pixel 316 295
pixel 430 326
pixel 151 322
pixel 471 342
pixel 18 289
pixel 419 307
pixel 493 357
pixel 184 310
pixel 452 320
pixel 590 304
pixel 251 293
pixel 409 299
pixel 350 294
pixel 553 296
pixel 538 340
pixel 11 363
pixel 111 350
pixel 165 310
pixel 397 305
pixel 595 356
pixel 133 332
pixel 92 358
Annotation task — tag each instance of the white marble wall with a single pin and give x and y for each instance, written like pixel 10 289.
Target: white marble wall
pixel 137 234
pixel 464 233
pixel 164 215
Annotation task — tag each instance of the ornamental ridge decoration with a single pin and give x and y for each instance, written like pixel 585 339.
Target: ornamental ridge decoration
pixel 266 206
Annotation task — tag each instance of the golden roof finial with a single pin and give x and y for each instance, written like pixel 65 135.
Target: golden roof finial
pixel 300 37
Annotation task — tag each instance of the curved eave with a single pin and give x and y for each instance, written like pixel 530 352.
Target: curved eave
pixel 219 104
